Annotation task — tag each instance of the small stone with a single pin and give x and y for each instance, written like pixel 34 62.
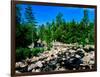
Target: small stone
pixel 17 65
pixel 33 70
pixel 18 72
pixel 91 62
pixel 67 54
pixel 37 70
pixel 86 59
pixel 62 63
pixel 34 59
pixel 77 56
pixel 72 51
pixel 57 68
pixel 80 52
pixel 74 68
pixel 62 69
pixel 83 68
pixel 43 61
pixel 20 64
pixel 55 56
pixel 80 49
pixel 63 59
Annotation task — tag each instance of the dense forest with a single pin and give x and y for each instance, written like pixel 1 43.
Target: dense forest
pixel 28 32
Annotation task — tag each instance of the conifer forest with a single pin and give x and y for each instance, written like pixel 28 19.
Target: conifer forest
pixel 59 43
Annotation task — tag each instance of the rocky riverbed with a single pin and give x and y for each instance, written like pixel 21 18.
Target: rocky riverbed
pixel 61 57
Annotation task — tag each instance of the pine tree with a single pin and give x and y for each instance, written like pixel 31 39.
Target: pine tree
pixel 59 19
pixel 18 14
pixel 85 20
pixel 30 18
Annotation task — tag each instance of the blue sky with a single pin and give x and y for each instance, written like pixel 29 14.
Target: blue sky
pixel 45 14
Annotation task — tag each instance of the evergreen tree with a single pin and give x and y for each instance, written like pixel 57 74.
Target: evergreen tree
pixel 53 29
pixel 85 20
pixel 18 14
pixel 31 21
pixel 41 32
pixel 59 19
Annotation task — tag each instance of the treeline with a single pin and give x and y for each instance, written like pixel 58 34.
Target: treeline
pixel 68 32
pixel 28 32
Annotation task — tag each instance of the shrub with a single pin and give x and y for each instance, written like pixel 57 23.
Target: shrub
pixel 36 51
pixel 49 46
pixel 22 53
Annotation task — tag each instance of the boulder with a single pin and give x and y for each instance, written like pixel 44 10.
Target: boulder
pixel 20 64
pixel 80 52
pixel 89 48
pixel 61 57
pixel 39 63
pixel 31 67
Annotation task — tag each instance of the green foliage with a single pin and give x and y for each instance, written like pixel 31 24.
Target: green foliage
pixel 23 35
pixel 59 19
pixel 30 15
pixel 25 32
pixel 18 14
pixel 30 19
pixel 85 20
pixel 36 51
pixel 49 46
pixel 68 32
pixel 22 53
